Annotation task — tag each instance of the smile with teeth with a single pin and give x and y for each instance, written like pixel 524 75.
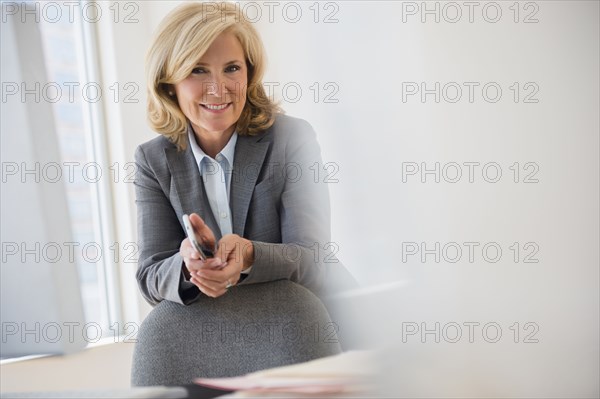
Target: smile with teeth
pixel 215 107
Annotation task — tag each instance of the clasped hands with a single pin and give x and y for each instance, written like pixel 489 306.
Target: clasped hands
pixel 215 275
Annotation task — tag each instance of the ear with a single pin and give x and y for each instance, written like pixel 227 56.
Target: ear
pixel 169 89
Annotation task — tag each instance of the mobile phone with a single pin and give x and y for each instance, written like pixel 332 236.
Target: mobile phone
pixel 204 252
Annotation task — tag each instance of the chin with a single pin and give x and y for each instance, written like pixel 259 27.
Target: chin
pixel 221 127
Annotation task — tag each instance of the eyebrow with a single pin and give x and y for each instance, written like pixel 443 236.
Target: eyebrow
pixel 227 63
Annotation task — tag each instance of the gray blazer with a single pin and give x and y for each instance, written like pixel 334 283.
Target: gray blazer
pixel 277 199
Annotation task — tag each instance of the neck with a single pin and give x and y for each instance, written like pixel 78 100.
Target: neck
pixel 213 142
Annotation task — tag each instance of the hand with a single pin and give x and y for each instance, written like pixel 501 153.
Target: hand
pixel 190 256
pixel 237 254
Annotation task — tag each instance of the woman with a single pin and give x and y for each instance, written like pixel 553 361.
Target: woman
pixel 228 157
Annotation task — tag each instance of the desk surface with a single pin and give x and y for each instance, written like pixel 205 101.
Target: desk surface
pixel 184 392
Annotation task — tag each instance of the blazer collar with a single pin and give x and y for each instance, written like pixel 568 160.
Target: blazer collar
pixel 250 154
pixel 189 188
pixel 249 157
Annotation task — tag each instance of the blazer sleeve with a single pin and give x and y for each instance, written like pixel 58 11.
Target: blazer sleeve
pixel 305 249
pixel 159 272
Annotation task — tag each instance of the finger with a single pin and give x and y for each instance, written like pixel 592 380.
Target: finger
pixel 226 245
pixel 194 264
pixel 211 294
pixel 214 264
pixel 193 254
pixel 218 279
pixel 214 274
pixel 213 281
pixel 188 251
pixel 207 288
pixel 215 286
pixel 185 243
pixel 209 264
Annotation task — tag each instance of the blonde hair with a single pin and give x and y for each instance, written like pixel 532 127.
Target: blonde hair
pixel 183 36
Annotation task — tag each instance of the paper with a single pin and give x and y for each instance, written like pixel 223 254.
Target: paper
pixel 347 372
pixel 274 384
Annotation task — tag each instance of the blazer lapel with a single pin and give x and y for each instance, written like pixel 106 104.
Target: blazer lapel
pixel 189 186
pixel 249 157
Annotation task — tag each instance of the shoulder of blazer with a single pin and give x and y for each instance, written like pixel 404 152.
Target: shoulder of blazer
pixel 152 148
pixel 288 132
pixel 290 125
pixel 155 151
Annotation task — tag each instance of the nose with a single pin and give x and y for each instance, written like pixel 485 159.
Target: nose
pixel 216 87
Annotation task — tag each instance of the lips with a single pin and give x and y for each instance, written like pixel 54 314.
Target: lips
pixel 216 107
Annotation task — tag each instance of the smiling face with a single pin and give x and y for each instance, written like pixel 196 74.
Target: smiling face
pixel 213 96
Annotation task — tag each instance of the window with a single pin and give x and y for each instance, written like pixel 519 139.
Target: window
pixel 78 122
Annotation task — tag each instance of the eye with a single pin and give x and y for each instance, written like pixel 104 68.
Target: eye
pixel 233 68
pixel 198 70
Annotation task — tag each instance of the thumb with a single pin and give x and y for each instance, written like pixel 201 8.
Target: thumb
pixel 202 231
pixel 197 222
pixel 226 246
